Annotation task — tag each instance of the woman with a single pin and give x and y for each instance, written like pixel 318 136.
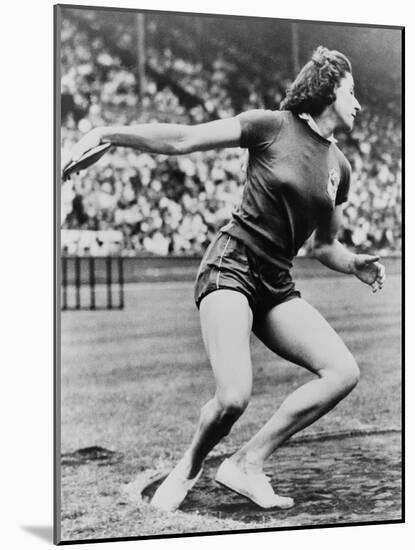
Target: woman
pixel 297 181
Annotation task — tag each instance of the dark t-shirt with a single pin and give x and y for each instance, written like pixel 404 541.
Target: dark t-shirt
pixel 294 179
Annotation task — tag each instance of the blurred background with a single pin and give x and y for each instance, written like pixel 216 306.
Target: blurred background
pixel 121 67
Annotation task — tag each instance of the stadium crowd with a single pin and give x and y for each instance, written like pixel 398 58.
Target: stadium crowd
pixel 173 205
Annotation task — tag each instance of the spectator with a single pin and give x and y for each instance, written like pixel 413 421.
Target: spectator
pixel 167 205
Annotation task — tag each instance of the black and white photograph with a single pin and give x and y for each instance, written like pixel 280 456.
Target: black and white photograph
pixel 229 274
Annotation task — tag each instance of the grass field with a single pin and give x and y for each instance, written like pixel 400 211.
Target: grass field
pixel 133 381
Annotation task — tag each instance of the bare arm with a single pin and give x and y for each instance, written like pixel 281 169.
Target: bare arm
pixel 176 138
pixel 330 252
pixel 168 139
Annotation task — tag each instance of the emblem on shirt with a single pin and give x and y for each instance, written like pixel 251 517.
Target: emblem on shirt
pixel 333 184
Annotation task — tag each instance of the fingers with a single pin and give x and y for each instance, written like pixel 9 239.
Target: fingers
pixel 73 155
pixel 381 274
pixel 375 286
pixel 66 174
pixel 64 164
pixel 67 160
pixel 379 278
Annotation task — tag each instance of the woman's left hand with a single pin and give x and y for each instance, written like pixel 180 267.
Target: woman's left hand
pixel 368 269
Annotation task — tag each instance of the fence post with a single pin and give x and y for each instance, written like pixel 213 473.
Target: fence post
pixel 121 281
pixel 109 282
pixel 92 281
pixel 78 282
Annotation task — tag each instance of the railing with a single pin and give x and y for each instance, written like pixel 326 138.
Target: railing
pixel 98 282
pixel 83 277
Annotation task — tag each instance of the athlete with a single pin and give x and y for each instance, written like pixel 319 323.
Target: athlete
pixel 297 182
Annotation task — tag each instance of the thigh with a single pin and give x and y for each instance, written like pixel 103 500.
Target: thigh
pixel 296 331
pixel 226 323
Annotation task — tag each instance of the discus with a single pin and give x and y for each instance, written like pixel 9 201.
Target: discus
pixel 87 159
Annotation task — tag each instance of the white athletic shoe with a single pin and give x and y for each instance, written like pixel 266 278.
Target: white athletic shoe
pixel 174 488
pixel 255 486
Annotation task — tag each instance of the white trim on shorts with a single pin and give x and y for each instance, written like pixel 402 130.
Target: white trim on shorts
pixel 220 261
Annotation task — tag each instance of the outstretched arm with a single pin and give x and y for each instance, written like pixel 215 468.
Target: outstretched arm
pixel 168 139
pixel 330 252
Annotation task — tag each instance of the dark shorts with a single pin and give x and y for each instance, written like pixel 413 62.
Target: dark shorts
pixel 229 264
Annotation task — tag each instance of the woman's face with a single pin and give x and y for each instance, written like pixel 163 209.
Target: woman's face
pixel 346 106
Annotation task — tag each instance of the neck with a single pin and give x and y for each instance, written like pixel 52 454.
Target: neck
pixel 325 124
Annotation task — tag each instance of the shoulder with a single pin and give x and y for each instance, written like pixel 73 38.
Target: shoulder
pixel 260 125
pixel 264 116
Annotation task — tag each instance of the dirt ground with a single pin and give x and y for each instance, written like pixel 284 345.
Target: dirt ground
pixel 349 479
pixel 121 371
pixel 334 479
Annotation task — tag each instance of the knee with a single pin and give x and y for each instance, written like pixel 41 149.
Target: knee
pixel 233 403
pixel 352 373
pixel 348 374
pixel 343 373
pixel 225 409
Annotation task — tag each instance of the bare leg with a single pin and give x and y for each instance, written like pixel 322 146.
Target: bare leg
pixel 297 332
pixel 226 321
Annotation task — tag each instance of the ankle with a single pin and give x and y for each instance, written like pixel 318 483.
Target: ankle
pixel 247 463
pixel 192 467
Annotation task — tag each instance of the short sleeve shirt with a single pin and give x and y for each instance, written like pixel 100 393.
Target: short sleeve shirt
pixel 294 179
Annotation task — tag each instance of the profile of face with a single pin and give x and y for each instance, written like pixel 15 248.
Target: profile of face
pixel 345 106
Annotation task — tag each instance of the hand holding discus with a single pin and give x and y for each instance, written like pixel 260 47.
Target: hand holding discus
pixel 85 153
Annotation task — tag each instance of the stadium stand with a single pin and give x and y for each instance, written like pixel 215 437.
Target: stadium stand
pixel 161 205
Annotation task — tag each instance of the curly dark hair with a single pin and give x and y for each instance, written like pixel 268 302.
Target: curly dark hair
pixel 314 88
